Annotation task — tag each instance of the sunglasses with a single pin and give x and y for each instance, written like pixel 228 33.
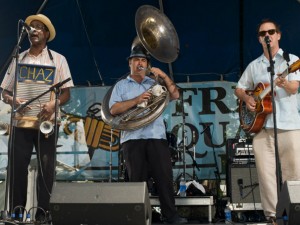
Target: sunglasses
pixel 263 33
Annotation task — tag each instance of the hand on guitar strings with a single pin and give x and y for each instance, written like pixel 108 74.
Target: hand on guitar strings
pixel 281 81
pixel 250 103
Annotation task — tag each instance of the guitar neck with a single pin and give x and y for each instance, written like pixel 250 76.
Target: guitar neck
pixel 268 89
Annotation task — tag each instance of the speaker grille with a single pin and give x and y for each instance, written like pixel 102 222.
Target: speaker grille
pixel 289 203
pixel 246 176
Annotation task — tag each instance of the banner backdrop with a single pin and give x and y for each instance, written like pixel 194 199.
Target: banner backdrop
pixel 198 124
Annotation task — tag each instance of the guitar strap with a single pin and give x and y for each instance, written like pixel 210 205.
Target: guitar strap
pixel 286 56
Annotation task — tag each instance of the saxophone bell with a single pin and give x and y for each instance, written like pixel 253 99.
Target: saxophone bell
pixel 47 128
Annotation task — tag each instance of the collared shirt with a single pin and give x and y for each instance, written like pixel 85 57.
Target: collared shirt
pixel 287 115
pixel 127 89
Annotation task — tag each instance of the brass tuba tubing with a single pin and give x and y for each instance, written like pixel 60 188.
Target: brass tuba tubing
pixel 157 35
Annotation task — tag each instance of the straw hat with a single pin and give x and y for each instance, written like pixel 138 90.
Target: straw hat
pixel 45 20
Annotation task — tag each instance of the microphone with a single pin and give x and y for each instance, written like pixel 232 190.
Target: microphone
pixel 193 137
pixel 28 28
pixel 267 39
pixel 241 187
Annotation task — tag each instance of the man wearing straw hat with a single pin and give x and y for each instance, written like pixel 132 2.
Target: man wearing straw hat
pixel 24 139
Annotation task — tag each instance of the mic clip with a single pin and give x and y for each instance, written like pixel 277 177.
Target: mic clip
pixel 26 27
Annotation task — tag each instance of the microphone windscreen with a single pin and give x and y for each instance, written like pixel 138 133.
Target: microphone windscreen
pixel 267 39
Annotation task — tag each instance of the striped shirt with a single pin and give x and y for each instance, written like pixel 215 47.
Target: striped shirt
pixel 46 57
pixel 59 61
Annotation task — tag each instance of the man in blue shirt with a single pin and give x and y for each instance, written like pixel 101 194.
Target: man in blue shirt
pixel 146 149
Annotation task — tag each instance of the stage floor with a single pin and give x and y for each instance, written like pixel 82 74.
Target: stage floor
pixel 220 223
pixel 190 222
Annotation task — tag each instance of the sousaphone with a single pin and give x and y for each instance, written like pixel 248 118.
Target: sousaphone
pixel 158 36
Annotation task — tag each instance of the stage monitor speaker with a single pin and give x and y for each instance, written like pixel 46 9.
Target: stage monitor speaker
pixel 242 184
pixel 100 203
pixel 289 203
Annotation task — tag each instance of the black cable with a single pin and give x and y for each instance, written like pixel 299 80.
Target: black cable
pixel 90 44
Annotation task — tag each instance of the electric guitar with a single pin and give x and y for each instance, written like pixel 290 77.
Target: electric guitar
pixel 252 122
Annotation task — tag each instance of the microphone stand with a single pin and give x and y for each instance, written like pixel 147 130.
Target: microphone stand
pixel 277 161
pixel 208 135
pixel 183 135
pixel 217 171
pixel 15 55
pixel 195 164
pixel 110 155
pixel 56 89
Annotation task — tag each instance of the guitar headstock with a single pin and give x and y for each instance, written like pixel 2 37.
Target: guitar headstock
pixel 295 66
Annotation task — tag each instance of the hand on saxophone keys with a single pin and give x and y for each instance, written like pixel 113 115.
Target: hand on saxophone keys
pixel 47 110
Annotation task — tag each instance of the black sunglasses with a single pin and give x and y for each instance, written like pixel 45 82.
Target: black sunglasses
pixel 263 33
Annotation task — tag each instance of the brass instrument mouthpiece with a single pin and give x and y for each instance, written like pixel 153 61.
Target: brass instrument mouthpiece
pixel 141 68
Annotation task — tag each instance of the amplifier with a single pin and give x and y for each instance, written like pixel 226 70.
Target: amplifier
pixel 239 151
pixel 242 184
pixel 241 175
pixel 237 160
